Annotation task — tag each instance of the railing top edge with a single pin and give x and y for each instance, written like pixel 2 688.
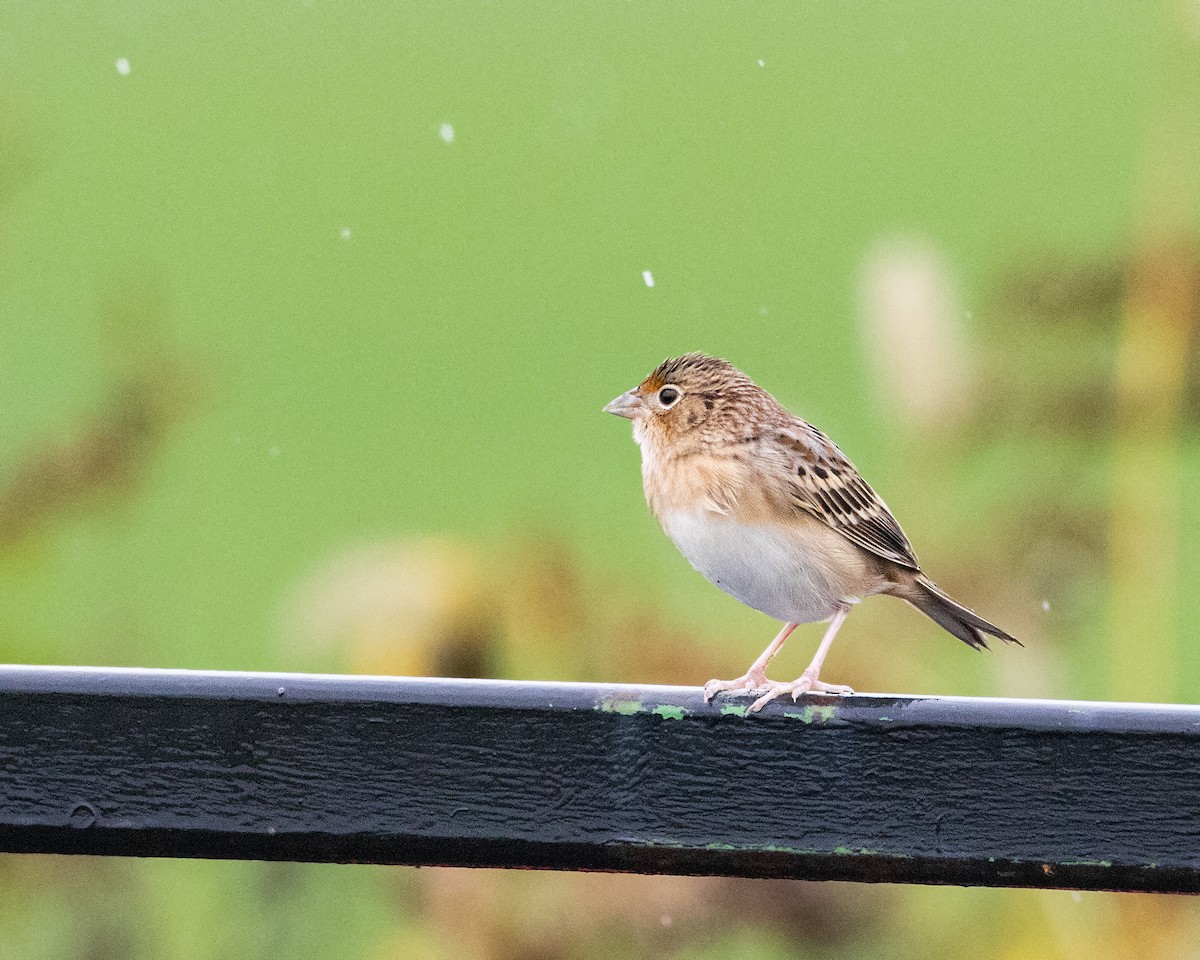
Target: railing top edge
pixel 667 702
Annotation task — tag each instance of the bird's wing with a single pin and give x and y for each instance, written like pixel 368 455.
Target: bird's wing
pixel 824 483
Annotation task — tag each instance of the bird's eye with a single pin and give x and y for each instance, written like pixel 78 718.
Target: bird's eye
pixel 667 396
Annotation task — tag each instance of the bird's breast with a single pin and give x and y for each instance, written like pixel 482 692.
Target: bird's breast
pixel 800 572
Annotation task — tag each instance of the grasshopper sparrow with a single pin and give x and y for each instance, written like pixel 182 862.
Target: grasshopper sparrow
pixel 768 509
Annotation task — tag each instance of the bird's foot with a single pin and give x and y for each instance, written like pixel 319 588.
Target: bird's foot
pixel 747 683
pixel 805 683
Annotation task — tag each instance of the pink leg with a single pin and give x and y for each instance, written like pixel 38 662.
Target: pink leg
pixel 756 676
pixel 808 680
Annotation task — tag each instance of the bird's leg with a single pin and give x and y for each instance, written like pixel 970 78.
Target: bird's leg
pixel 808 679
pixel 756 676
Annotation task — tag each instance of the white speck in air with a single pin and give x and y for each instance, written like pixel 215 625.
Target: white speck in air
pixel 446 132
pixel 1075 895
pixel 345 234
pixel 1046 605
pixel 648 277
pixel 762 63
pixel 762 311
pixel 123 67
pixel 665 920
pixel 274 451
pixel 969 315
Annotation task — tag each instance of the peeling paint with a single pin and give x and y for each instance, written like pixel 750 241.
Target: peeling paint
pixel 626 708
pixel 668 712
pixel 724 847
pixel 813 713
pixel 734 710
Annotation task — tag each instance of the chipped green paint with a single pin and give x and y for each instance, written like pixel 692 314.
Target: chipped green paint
pixel 763 848
pixel 821 714
pixel 723 847
pixel 629 708
pixel 734 710
pixel 1085 863
pixel 626 708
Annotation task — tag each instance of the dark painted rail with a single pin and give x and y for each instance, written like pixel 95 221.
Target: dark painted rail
pixel 595 777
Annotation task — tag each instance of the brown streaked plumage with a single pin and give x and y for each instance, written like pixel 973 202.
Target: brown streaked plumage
pixel 771 511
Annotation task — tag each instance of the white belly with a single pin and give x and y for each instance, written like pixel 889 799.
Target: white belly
pixel 799 575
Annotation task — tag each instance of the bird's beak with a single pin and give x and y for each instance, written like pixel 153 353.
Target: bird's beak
pixel 627 405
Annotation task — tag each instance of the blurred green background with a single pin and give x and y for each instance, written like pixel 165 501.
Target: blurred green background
pixel 308 311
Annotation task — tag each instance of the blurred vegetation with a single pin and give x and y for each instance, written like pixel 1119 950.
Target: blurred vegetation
pixel 308 311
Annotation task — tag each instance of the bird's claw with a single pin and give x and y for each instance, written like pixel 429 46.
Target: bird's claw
pixel 801 685
pixel 747 683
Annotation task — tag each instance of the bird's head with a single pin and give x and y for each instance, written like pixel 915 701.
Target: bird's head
pixel 686 394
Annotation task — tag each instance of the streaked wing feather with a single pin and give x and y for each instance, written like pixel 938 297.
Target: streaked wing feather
pixel 825 484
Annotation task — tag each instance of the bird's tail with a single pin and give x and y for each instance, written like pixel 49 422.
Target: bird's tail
pixel 949 614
